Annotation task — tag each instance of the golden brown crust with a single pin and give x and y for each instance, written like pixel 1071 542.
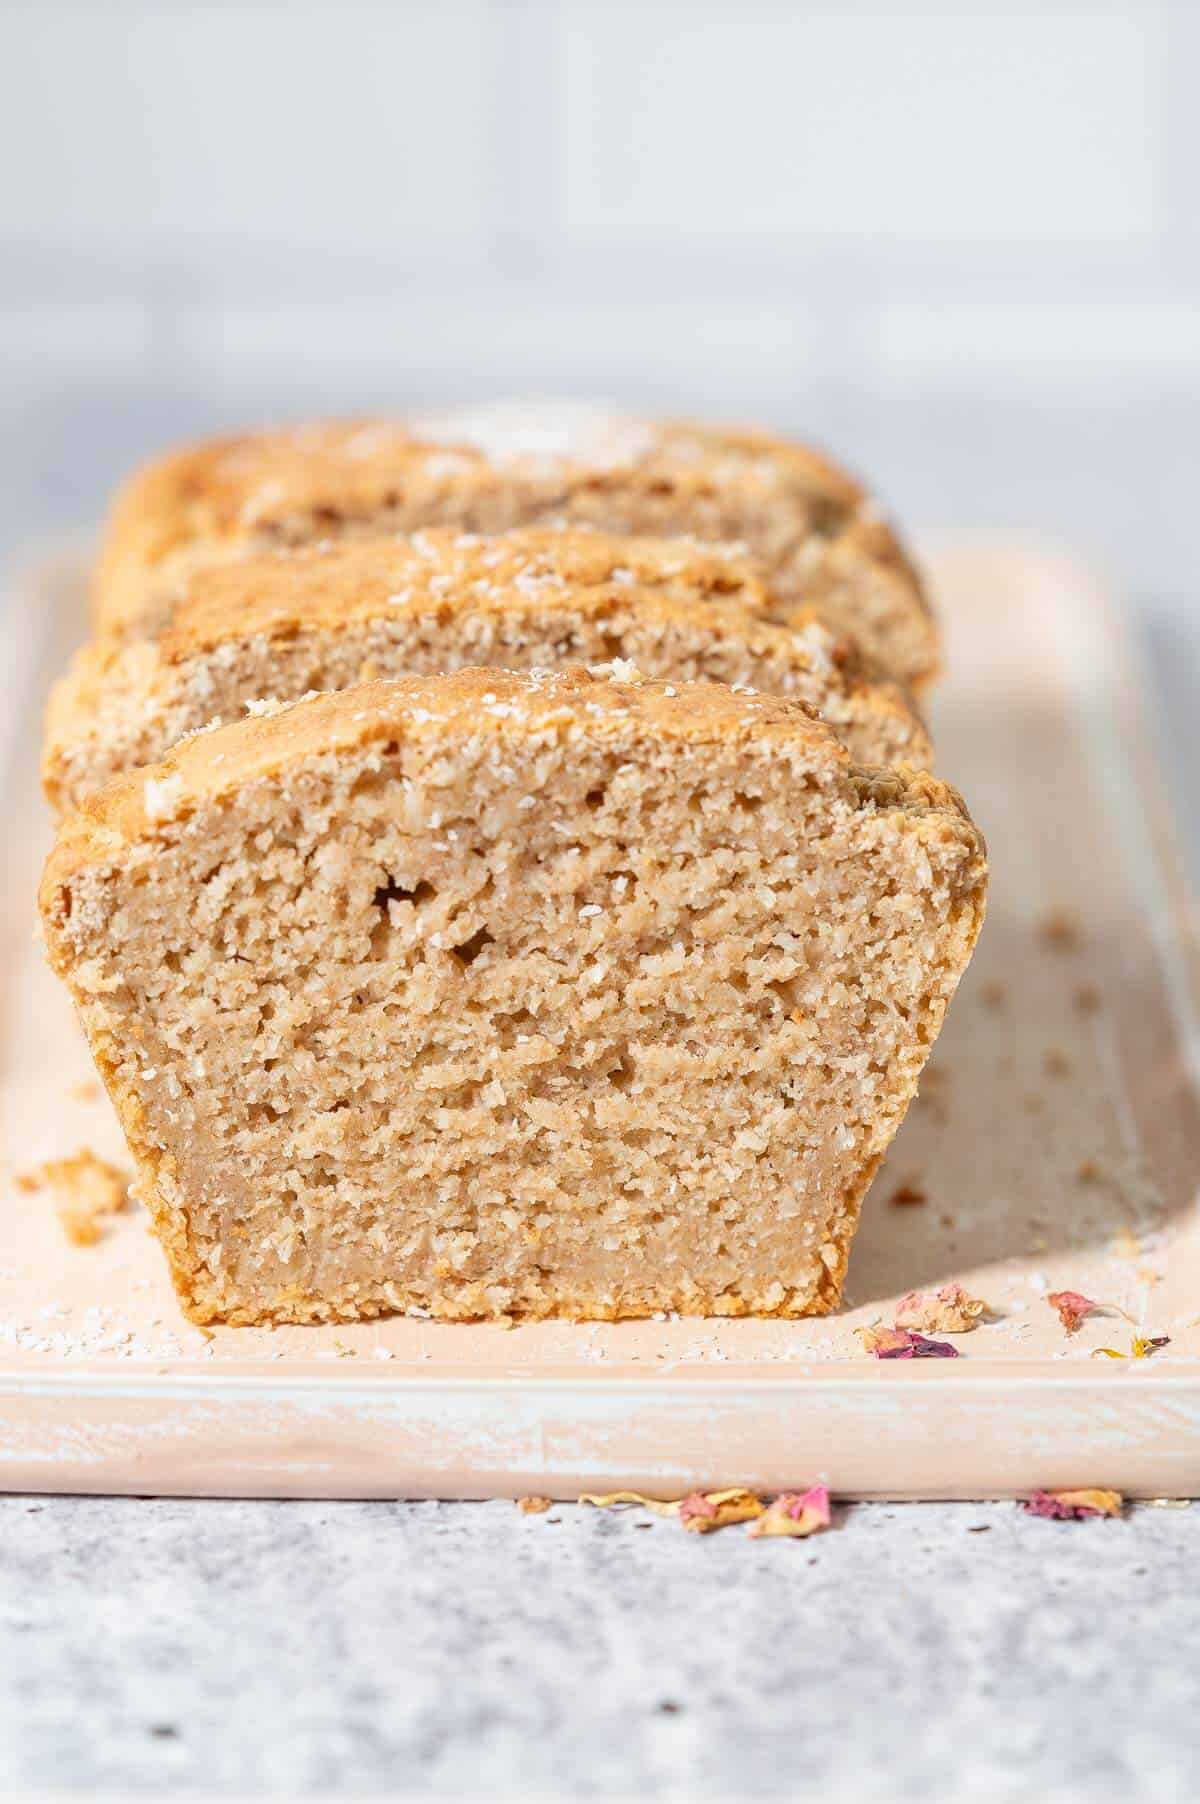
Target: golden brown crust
pixel 811 527
pixel 147 802
pixel 359 579
pixel 323 617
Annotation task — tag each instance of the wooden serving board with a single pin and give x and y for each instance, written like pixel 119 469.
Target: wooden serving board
pixel 1056 1142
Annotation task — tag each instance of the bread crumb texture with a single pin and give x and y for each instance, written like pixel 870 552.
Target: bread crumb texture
pixel 281 625
pixel 497 995
pixel 815 534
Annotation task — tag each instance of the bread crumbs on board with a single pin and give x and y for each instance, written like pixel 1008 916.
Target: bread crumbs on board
pixel 86 1191
pixel 907 1196
pixel 1060 929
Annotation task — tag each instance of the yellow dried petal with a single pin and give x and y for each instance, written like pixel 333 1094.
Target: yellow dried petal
pixel 1104 1503
pixel 704 1511
pixel 795 1515
pixel 1140 1347
pixel 612 1500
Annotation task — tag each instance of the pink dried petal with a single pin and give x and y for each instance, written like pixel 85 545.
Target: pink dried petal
pixel 887 1343
pixel 1041 1503
pixel 814 1502
pixel 1073 1506
pixel 795 1513
pixel 701 1512
pixel 698 1511
pixel 932 1349
pixel 1073 1308
pixel 903 1343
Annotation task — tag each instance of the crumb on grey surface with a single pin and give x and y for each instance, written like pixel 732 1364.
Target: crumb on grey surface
pixel 464 1649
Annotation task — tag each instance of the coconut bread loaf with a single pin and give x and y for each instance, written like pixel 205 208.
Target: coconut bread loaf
pixel 504 995
pixel 280 625
pixel 815 533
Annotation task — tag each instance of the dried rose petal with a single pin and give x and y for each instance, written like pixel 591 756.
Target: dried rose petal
pixel 699 1511
pixel 903 1343
pixel 1073 1506
pixel 932 1349
pixel 702 1512
pixel 886 1343
pixel 795 1513
pixel 533 1506
pixel 1140 1347
pixel 1073 1308
pixel 950 1310
pixel 612 1500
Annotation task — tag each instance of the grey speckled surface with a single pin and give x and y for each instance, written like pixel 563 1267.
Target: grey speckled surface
pixel 922 1651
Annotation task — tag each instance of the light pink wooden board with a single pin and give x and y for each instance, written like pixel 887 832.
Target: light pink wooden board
pixel 1043 723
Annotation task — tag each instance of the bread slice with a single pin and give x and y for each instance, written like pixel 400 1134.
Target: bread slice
pixel 281 625
pixel 817 535
pixel 506 995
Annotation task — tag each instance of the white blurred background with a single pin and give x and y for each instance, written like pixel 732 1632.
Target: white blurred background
pixel 959 243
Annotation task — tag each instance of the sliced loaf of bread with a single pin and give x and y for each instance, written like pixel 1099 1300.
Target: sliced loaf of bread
pixel 503 995
pixel 244 636
pixel 815 533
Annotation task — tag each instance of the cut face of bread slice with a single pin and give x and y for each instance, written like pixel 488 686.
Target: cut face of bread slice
pixel 495 995
pixel 815 533
pixel 280 626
